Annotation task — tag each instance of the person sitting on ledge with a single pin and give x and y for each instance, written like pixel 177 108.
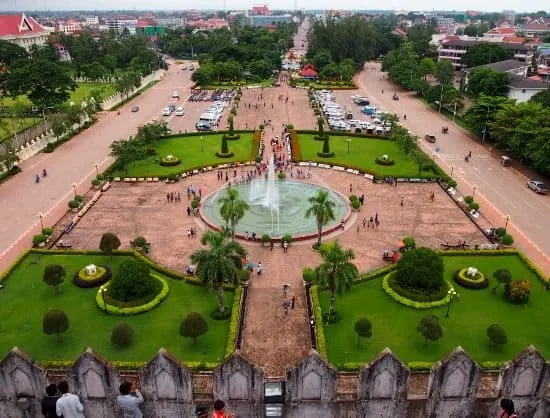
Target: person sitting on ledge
pixel 219 410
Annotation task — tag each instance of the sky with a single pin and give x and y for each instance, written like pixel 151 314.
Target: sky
pixel 487 5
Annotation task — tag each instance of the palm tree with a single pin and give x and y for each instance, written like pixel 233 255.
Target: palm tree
pixel 323 210
pixel 219 263
pixel 232 209
pixel 336 271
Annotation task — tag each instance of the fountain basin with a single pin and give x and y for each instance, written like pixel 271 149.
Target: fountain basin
pixel 290 219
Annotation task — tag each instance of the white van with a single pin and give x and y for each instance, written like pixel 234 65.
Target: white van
pixel 180 111
pixel 210 118
pixel 175 94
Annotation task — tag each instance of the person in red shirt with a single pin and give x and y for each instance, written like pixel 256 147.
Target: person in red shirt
pixel 219 410
pixel 507 409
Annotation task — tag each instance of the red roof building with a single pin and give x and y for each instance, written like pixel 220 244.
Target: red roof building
pixel 308 72
pixel 261 10
pixel 399 32
pixel 22 30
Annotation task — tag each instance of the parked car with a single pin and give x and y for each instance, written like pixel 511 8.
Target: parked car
pixel 166 111
pixel 537 186
pixel 430 138
pixel 362 101
pixel 203 126
pixel 135 109
pixel 175 94
pixel 180 111
pixel 172 107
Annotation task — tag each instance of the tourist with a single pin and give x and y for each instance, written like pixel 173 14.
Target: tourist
pixel 285 246
pixel 507 409
pixel 259 268
pixel 351 188
pixel 285 289
pixel 49 401
pixel 364 222
pixel 246 236
pixel 167 197
pixel 188 232
pixel 343 224
pixel 219 410
pixel 68 406
pixel 253 236
pixel 271 245
pixel 188 211
pixel 129 401
pixel 286 306
pixel 292 302
pixel 401 202
pixel 371 222
pixel 362 199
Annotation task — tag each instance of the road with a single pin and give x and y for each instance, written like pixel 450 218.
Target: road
pixel 504 187
pixel 75 162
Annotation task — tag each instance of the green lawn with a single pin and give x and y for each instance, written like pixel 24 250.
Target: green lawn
pixel 394 325
pixel 9 126
pixel 193 152
pixel 25 298
pixel 362 155
pixel 319 85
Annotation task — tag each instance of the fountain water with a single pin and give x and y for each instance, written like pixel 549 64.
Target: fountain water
pixel 265 192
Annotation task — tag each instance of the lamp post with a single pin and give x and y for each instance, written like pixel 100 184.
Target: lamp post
pixel 41 216
pixel 452 296
pixel 452 169
pixel 348 140
pixel 74 188
pixel 474 187
pixel 103 290
pixel 506 223
pixel 486 120
pixel 202 144
pixel 441 99
pixel 97 169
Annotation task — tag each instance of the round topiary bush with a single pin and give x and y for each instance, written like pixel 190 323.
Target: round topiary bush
pixel 82 279
pixel 287 238
pixel 132 284
pixel 474 206
pixel 140 241
pixel 170 161
pixel 420 271
pixel 232 137
pixel 73 204
pixel 225 155
pixel 507 239
pixel 384 160
pixel 468 199
pixel 518 291
pixel 479 281
pixel 122 335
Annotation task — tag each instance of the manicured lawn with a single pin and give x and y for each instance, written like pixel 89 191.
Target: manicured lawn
pixel 193 152
pixel 319 85
pixel 10 125
pixel 362 155
pixel 228 85
pixel 394 325
pixel 25 298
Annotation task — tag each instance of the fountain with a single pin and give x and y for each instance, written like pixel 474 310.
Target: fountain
pixel 276 207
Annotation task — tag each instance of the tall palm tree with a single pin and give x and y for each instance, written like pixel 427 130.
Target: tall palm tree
pixel 322 208
pixel 219 263
pixel 232 209
pixel 336 271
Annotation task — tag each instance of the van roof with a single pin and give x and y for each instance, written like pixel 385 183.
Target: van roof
pixel 207 116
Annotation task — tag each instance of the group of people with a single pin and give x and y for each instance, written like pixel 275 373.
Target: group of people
pixel 173 197
pixel 373 222
pixel 37 177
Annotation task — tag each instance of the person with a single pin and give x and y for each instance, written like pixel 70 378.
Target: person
pixel 129 401
pixel 219 410
pixel 285 289
pixel 271 245
pixel 44 172
pixel 68 406
pixel 507 409
pixel 37 179
pixel 201 411
pixel 470 154
pixel 292 302
pixel 118 112
pixel 404 117
pixel 285 246
pixel 286 306
pixel 49 401
pixel 259 268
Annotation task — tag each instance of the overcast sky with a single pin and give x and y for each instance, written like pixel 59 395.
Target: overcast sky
pixel 487 5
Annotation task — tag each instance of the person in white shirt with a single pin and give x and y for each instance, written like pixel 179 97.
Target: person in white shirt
pixel 129 400
pixel 68 406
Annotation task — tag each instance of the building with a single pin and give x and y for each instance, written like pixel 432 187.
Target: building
pixel 171 22
pixel 262 21
pixel 22 30
pixel 62 53
pixel 68 26
pixel 149 28
pixel 308 72
pixel 499 33
pixel 92 21
pixel 532 30
pixel 261 10
pixel 399 32
pixel 209 24
pixel 120 23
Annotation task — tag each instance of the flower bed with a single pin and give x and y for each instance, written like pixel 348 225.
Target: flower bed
pixel 82 279
pixel 170 161
pixel 464 280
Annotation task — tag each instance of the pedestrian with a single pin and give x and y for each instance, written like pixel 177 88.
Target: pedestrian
pixel 286 306
pixel 351 188
pixel 271 245
pixel 167 197
pixel 507 409
pixel 376 222
pixel 285 289
pixel 404 117
pixel 200 192
pixel 364 222
pixel 285 247
pixel 129 401
pixel 219 410
pixel 188 211
pixel 470 154
pixel 69 405
pixel 343 224
pixel 401 202
pixel 226 176
pixel 49 401
pixel 357 228
pixel 292 301
pixel 371 222
pixel 259 268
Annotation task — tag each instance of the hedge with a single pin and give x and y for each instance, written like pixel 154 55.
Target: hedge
pixel 86 284
pixel 412 303
pixel 422 366
pixel 319 331
pixel 6 273
pixel 234 324
pixel 295 146
pixel 165 162
pixel 460 277
pixel 256 140
pixel 114 310
pixel 126 365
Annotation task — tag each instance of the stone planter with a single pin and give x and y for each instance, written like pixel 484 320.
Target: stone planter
pixel 42 244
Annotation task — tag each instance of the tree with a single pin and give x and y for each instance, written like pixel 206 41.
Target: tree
pixel 203 75
pixel 497 335
pixel 326 145
pixel 127 82
pixel 322 59
pixel 430 328
pixel 482 112
pixel 58 125
pixel 445 71
pixel 427 67
pixel 542 97
pixel 9 157
pixel 10 52
pixel 402 65
pixel 232 209
pixel 54 275
pixel 45 82
pixel 122 335
pixel 363 329
pixel 420 270
pixel 109 243
pixel 487 81
pixel 503 277
pixel 486 53
pixel 218 264
pixel 55 321
pixel 420 36
pixel 322 208
pixel 336 271
pixel 193 326
pixel 132 281
pixel 320 127
pixel 476 30
pixel 127 152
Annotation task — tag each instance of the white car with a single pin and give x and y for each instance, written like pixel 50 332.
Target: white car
pixel 180 111
pixel 166 111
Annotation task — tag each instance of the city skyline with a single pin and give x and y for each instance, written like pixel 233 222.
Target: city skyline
pixel 65 5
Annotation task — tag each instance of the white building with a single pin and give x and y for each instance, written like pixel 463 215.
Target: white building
pixel 22 30
pixel 92 20
pixel 121 23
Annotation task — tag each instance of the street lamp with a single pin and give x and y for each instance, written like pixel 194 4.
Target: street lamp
pixel 96 169
pixel 202 144
pixel 486 120
pixel 103 290
pixel 474 187
pixel 452 169
pixel 441 98
pixel 41 216
pixel 452 296
pixel 348 140
pixel 506 223
pixel 74 188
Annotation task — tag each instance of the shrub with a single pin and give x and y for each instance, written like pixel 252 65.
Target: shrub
pixel 384 161
pixel 54 275
pixel 281 175
pixel 518 291
pixel 412 298
pixel 79 198
pixel 409 242
pixel 140 241
pixel 474 206
pixel 308 274
pixel 502 276
pixel 500 232
pixel 430 328
pixel 73 204
pixel 170 162
pixel 132 281
pixel 290 126
pixel 287 238
pixel 109 242
pixel 122 335
pixel 39 239
pixel 55 321
pixel 82 279
pixel 420 271
pixel 363 329
pixel 477 282
pixel 193 326
pixel 196 202
pixel 353 197
pixel 468 199
pixel 355 204
pixel 266 238
pixel 507 240
pixel 47 231
pixel 497 335
pixel 96 182
pixel 452 183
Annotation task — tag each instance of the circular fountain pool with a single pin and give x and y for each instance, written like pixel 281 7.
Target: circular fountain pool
pixel 275 209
